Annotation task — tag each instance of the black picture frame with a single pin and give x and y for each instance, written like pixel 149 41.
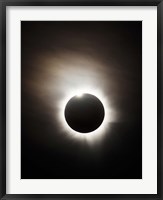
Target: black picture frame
pixel 3 5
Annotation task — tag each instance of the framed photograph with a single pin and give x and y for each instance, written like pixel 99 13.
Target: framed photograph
pixel 81 97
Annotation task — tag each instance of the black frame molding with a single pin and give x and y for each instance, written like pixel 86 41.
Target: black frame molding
pixel 3 5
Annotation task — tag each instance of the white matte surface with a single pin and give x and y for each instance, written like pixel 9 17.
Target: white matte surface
pixel 147 185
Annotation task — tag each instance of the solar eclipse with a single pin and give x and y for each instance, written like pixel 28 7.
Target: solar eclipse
pixel 81 100
pixel 84 113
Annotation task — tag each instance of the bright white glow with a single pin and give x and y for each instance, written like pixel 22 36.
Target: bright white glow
pixel 101 130
pixel 79 95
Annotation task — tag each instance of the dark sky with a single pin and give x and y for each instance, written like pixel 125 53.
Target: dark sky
pixel 57 57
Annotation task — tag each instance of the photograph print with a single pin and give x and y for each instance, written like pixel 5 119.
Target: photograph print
pixel 81 100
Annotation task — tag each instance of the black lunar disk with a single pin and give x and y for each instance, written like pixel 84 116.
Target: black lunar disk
pixel 84 113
